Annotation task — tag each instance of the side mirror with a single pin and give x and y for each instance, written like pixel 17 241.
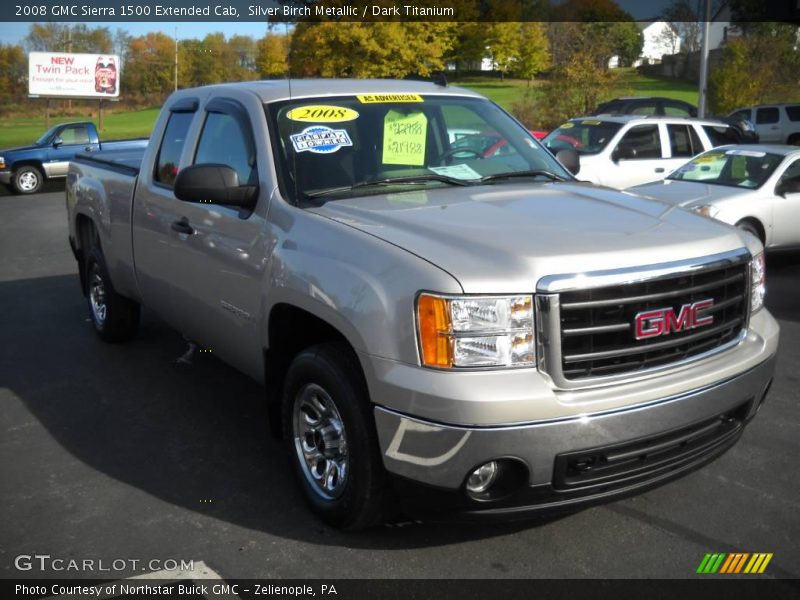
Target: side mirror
pixel 214 184
pixel 623 153
pixel 787 186
pixel 570 159
pixel 57 141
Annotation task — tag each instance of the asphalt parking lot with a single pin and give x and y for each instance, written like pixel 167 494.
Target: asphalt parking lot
pixel 117 452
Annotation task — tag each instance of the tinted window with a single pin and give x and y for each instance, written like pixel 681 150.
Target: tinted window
pixel 792 173
pixel 767 115
pixel 226 141
pixel 586 136
pixel 643 109
pixel 673 109
pixel 793 112
pixel 169 154
pixel 644 140
pixel 75 135
pixel 741 115
pixel 721 135
pixel 680 140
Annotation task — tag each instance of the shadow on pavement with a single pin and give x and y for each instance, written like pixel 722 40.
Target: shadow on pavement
pixel 179 433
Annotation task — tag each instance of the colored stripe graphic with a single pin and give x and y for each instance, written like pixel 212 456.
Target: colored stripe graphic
pixel 729 564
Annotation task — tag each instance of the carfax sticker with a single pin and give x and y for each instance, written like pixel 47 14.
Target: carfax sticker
pixel 384 98
pixel 320 140
pixel 322 113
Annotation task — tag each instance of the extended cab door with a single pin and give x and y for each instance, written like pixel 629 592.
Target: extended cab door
pixel 637 158
pixel 219 260
pixel 155 212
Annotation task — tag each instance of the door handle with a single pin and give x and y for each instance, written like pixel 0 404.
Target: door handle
pixel 659 169
pixel 182 226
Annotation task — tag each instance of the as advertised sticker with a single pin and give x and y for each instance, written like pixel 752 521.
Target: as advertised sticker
pixel 322 113
pixel 591 122
pixel 385 98
pixel 567 125
pixel 320 140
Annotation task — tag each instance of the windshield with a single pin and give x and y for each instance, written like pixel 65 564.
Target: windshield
pixel 586 136
pixel 732 168
pixel 47 135
pixel 360 145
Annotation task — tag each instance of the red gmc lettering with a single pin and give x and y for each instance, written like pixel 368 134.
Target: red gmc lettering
pixel 663 321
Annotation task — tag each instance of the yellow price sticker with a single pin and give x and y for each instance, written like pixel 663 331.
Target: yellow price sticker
pixel 404 138
pixel 591 122
pixel 322 113
pixel 385 98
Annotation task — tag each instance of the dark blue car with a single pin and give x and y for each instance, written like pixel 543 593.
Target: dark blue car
pixel 26 168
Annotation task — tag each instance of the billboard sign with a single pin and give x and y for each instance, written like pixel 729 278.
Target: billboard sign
pixel 69 75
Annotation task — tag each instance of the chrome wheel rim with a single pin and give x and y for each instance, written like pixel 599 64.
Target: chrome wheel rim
pixel 97 298
pixel 320 441
pixel 28 181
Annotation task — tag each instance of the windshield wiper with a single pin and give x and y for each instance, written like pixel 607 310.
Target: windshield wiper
pixel 535 173
pixel 410 179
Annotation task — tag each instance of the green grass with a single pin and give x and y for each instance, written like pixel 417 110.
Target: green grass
pixel 23 131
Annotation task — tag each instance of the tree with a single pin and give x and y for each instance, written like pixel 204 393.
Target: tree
pixel 503 45
pixel 58 37
pixel 374 49
pixel 272 55
pixel 13 73
pixel 149 68
pixel 684 17
pixel 534 50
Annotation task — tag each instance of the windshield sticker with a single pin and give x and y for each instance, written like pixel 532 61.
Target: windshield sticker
pixel 320 140
pixel 404 138
pixel 567 125
pixel 710 157
pixel 753 153
pixel 385 98
pixel 322 113
pixel 461 171
pixel 591 122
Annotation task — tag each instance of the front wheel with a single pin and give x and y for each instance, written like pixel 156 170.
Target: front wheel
pixel 330 435
pixel 115 317
pixel 28 180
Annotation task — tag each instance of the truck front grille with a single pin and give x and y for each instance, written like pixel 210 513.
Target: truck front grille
pixel 596 333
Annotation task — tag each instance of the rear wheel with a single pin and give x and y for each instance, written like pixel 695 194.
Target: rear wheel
pixel 27 180
pixel 115 317
pixel 330 435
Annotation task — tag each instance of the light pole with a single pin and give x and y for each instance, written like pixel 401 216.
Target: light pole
pixel 703 83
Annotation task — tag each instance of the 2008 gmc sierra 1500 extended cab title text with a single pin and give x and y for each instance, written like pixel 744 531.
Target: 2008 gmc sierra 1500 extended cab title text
pixel 482 333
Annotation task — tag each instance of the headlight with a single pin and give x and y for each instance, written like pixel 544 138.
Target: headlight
pixel 476 331
pixel 707 210
pixel 2 163
pixel 758 272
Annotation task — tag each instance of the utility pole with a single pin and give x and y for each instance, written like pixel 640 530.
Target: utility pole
pixel 176 59
pixel 703 83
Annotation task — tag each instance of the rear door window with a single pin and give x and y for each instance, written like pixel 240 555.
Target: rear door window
pixel 644 140
pixel 169 153
pixel 765 116
pixel 793 112
pixel 680 141
pixel 721 135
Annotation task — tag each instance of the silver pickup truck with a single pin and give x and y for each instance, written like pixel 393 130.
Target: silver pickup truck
pixel 442 314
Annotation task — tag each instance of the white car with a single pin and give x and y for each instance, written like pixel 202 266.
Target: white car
pixel 774 123
pixel 621 151
pixel 755 187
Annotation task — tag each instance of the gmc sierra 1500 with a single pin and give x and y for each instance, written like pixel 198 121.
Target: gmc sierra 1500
pixel 480 331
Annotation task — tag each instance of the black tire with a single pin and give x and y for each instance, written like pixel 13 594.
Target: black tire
pixel 750 227
pixel 331 374
pixel 794 140
pixel 27 180
pixel 115 318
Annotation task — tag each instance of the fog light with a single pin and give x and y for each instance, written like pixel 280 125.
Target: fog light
pixel 482 478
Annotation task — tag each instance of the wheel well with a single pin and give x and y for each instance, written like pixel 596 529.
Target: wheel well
pixel 28 163
pixel 291 330
pixel 794 138
pixel 758 226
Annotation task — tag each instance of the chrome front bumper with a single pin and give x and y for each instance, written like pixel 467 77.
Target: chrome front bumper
pixel 443 455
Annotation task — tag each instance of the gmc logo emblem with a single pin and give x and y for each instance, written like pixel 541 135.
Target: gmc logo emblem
pixel 664 321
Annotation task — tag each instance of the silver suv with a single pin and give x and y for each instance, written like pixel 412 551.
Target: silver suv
pixel 775 123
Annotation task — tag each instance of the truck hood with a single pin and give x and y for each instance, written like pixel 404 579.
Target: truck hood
pixel 503 238
pixel 7 151
pixel 685 193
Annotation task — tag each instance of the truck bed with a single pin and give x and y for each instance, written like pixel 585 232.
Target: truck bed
pixel 128 160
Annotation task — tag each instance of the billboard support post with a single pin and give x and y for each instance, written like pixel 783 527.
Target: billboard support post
pixel 47 114
pixel 100 116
